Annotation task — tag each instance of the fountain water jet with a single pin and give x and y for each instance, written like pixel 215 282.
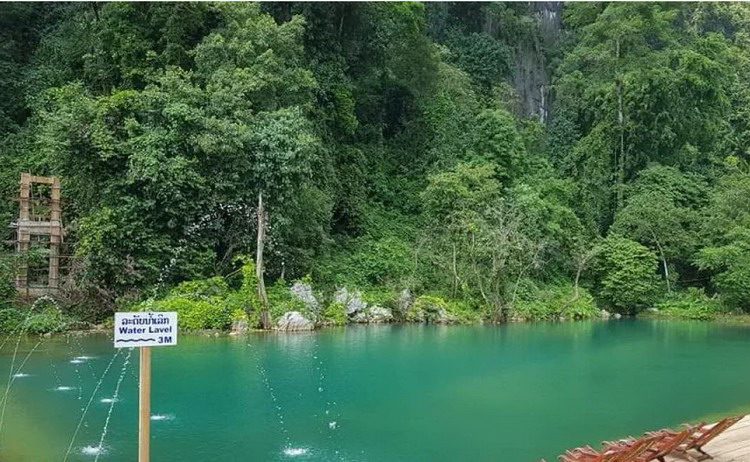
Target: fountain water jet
pixel 86 408
pixel 18 374
pixel 12 378
pixel 10 381
pixel 279 412
pixel 324 393
pixel 112 405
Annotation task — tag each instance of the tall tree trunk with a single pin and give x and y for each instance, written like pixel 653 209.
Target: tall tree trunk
pixel 576 293
pixel 583 261
pixel 621 124
pixel 95 7
pixel 621 159
pixel 663 262
pixel 455 272
pixel 265 318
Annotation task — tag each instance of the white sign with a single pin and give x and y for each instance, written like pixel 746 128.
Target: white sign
pixel 145 328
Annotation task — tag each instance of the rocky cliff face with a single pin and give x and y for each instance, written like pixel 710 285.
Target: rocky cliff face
pixel 531 32
pixel 531 78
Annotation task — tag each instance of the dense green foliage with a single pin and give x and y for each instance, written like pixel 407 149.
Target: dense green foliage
pixel 394 147
pixel 44 316
pixel 626 274
pixel 557 301
pixel 691 304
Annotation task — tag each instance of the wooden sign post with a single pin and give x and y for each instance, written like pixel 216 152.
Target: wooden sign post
pixel 144 405
pixel 144 330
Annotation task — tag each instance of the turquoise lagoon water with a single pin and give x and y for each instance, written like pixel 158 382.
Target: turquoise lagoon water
pixel 380 393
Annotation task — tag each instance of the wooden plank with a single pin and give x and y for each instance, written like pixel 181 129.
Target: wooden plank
pixel 731 446
pixel 42 179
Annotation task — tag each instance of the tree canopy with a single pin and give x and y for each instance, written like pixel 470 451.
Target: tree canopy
pixel 396 145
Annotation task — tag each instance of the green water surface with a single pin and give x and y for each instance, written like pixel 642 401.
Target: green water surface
pixel 381 393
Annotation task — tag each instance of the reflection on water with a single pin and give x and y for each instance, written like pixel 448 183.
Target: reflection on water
pixel 380 393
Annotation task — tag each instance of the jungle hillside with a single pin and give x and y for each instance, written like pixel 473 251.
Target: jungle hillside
pixel 467 162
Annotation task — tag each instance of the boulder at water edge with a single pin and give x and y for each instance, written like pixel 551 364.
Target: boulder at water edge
pixel 360 317
pixel 304 293
pixel 351 300
pixel 373 315
pixel 294 321
pixel 239 326
pixel 444 317
pixel 405 300
pixel 378 314
pixel 431 310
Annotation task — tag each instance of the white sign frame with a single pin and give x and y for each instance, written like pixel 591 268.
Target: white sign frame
pixel 145 329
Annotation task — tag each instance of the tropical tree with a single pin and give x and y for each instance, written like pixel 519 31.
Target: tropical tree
pixel 625 274
pixel 726 223
pixel 631 82
pixel 662 212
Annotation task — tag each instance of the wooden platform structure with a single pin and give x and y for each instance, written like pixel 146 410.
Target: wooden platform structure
pixel 39 224
pixel 731 446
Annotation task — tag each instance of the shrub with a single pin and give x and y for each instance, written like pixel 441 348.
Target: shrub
pixel 10 319
pixel 237 302
pixel 533 310
pixel 238 315
pixel 381 297
pixel 50 320
pixel 556 301
pixel 335 314
pixel 202 289
pixel 44 316
pixel 430 308
pixel 7 280
pixel 426 308
pixel 690 304
pixel 463 312
pixel 195 314
pixel 210 304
